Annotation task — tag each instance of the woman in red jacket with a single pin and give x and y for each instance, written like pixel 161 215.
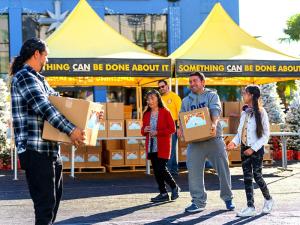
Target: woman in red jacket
pixel 158 126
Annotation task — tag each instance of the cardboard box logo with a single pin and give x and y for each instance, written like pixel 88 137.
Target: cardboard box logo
pixel 193 120
pixel 65 158
pixel 132 155
pixel 116 156
pixel 134 125
pixel 115 126
pixel 102 126
pixel 93 158
pixel 225 125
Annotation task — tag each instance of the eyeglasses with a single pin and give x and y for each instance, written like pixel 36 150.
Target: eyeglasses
pixel 162 86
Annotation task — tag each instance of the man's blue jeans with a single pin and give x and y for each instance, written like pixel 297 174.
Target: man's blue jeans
pixel 173 163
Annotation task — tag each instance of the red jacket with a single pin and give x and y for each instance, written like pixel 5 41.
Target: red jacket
pixel 165 128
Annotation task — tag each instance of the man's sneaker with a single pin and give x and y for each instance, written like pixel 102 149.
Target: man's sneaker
pixel 247 212
pixel 175 193
pixel 229 205
pixel 161 198
pixel 194 208
pixel 268 205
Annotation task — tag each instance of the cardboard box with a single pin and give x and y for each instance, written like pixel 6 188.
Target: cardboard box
pixel 115 111
pixel 182 154
pixel 228 139
pixel 102 131
pixel 87 119
pixel 196 125
pixel 142 157
pixel 241 106
pixel 93 156
pixel 66 152
pixel 232 109
pixel 132 157
pixel 142 144
pixel 233 124
pixel 131 144
pixel 112 144
pixel 133 128
pixel 275 127
pixel 222 107
pixel 235 155
pixel 128 112
pixel 114 157
pixel 115 128
pixel 182 143
pixel 224 121
pixel 268 152
pixel 104 108
pixel 79 157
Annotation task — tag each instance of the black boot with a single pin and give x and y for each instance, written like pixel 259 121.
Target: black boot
pixel 175 193
pixel 161 198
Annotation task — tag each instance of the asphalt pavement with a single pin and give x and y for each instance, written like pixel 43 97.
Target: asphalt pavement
pixel 123 198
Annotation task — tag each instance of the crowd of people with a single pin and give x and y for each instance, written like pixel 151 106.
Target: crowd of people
pixel 161 126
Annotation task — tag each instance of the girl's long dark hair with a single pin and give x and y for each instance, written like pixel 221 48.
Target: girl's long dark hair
pixel 157 94
pixel 27 50
pixel 255 93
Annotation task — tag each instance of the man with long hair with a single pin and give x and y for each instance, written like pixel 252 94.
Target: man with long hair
pixel 30 108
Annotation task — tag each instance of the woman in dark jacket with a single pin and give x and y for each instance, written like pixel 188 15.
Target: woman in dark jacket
pixel 158 126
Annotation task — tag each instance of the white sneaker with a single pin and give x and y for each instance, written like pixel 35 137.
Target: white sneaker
pixel 268 205
pixel 247 212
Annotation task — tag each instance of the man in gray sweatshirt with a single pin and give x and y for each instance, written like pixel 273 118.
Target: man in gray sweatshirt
pixel 213 149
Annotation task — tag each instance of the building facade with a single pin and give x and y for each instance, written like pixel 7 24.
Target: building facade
pixel 159 26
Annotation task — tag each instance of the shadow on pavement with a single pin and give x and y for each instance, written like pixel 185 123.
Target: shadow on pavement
pixel 244 220
pixel 107 216
pixel 107 184
pixel 194 220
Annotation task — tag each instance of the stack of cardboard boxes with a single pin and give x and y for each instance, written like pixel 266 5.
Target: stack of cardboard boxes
pixel 121 152
pixel 124 152
pixel 113 153
pixel 88 119
pixel 84 156
pixel 232 113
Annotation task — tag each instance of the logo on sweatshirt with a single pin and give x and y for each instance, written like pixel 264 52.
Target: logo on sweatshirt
pixel 200 105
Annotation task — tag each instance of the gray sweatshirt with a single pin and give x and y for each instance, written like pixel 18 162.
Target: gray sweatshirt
pixel 208 99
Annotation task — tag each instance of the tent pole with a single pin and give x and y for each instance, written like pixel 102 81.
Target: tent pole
pixel 139 90
pixel 170 83
pixel 140 102
pixel 138 107
pixel 137 102
pixel 176 85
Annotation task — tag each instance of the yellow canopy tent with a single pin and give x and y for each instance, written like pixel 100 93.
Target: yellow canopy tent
pixel 85 51
pixel 230 56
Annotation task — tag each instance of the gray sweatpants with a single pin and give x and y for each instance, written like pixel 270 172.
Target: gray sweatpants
pixel 214 151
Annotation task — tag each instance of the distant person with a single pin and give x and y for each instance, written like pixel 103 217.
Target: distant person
pixel 213 149
pixel 158 126
pixel 253 134
pixel 173 102
pixel 30 109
